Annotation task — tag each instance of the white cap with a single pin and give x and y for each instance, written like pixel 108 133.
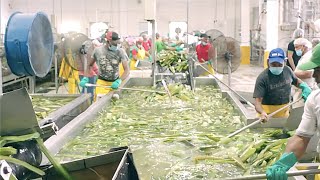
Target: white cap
pixel 303 41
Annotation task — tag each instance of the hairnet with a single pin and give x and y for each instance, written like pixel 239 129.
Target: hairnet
pixel 298 33
pixel 303 41
pixel 315 41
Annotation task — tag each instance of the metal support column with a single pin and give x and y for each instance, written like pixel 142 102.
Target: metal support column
pixel 153 50
pixel 32 84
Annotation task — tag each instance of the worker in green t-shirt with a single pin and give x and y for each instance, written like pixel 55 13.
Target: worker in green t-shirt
pixel 161 44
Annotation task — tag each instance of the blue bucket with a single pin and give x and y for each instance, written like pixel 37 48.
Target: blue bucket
pixel 29 44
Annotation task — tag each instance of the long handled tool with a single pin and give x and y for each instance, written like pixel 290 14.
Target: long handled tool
pixel 166 88
pixel 289 174
pixel 249 103
pixel 260 120
pixel 132 89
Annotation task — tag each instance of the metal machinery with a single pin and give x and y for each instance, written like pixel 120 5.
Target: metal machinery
pixel 18 54
pixel 72 129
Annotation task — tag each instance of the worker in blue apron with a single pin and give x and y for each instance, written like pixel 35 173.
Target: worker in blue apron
pixel 308 126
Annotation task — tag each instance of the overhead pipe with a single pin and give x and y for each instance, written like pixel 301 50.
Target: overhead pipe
pixel 299 14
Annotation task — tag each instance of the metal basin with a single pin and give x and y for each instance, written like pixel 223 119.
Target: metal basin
pixel 72 129
pixel 114 165
pixel 63 115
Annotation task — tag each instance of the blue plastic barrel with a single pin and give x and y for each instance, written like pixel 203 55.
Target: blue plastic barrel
pixel 29 44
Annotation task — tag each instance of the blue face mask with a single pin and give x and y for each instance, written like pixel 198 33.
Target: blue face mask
pixel 299 52
pixel 113 48
pixel 276 70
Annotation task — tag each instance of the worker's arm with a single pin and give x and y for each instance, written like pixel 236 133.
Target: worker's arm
pixel 307 128
pixel 126 69
pixel 298 145
pixel 125 64
pixel 259 109
pixel 303 74
pixel 290 60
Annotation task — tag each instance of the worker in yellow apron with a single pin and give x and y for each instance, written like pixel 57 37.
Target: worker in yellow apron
pixel 205 53
pixel 138 53
pixel 308 126
pixel 109 57
pixel 273 86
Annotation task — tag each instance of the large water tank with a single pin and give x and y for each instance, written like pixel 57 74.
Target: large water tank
pixel 29 44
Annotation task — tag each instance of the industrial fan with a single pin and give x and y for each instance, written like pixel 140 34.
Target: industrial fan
pixel 228 54
pixel 228 51
pixel 71 45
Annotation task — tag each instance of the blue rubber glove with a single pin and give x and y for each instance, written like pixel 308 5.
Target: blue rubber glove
pixel 84 81
pixel 179 48
pixel 209 62
pixel 116 84
pixel 279 169
pixel 306 90
pixel 150 59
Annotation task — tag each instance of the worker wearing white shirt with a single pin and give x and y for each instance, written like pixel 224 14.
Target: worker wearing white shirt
pixel 308 127
pixel 303 48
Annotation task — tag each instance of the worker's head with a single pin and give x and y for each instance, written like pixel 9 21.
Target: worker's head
pixel 302 46
pixel 145 37
pixel 113 40
pixel 276 61
pixel 131 41
pixel 204 39
pixel 315 41
pixel 298 33
pixel 313 63
pixel 139 42
pixel 157 35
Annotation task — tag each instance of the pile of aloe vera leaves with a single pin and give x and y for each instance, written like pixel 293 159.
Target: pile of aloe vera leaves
pixel 43 106
pixel 180 140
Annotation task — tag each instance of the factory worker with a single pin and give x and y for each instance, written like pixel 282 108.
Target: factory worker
pixel 293 58
pixel 138 54
pixel 163 44
pixel 108 58
pixel 146 42
pixel 303 48
pixel 205 53
pixel 273 86
pixel 308 127
pixel 92 75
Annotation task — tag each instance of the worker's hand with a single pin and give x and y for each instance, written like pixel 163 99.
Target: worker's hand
pixel 306 90
pixel 84 81
pixel 178 48
pixel 150 59
pixel 116 84
pixel 278 169
pixel 264 117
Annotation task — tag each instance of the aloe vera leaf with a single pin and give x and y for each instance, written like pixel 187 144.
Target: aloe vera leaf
pixel 239 162
pixel 12 139
pixel 54 162
pixel 246 154
pixel 7 151
pixel 225 140
pixel 22 163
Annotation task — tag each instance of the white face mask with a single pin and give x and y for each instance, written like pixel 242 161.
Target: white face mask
pixel 204 43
